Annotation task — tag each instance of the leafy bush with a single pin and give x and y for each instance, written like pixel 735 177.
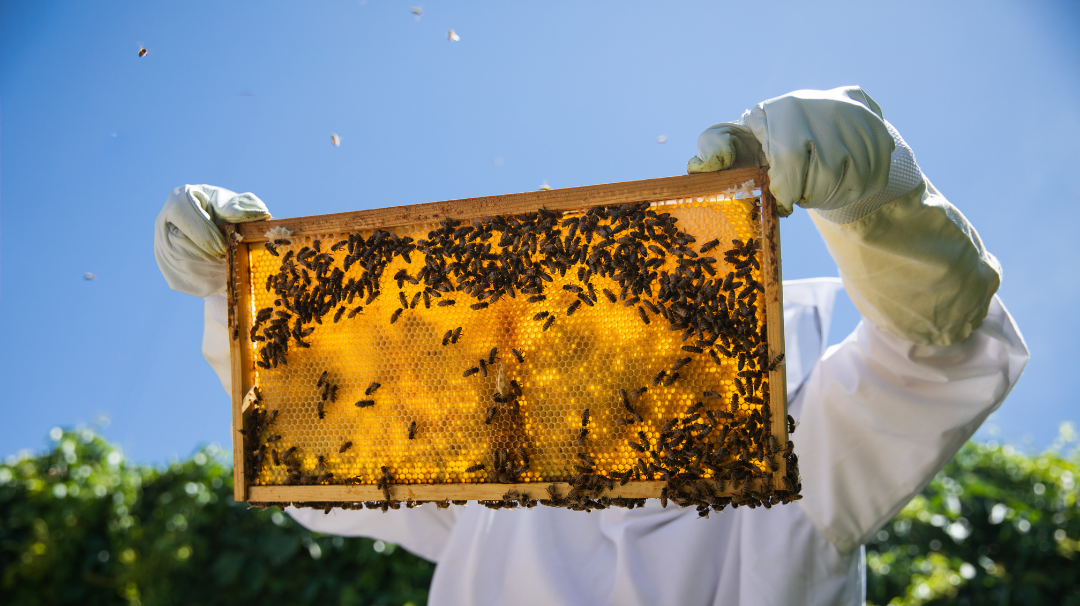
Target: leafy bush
pixel 80 525
pixel 996 526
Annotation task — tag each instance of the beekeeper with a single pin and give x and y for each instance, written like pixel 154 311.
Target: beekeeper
pixel 880 413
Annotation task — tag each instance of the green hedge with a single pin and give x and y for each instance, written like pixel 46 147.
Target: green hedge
pixel 81 525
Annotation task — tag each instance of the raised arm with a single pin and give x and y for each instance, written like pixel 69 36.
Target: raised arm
pixel 936 352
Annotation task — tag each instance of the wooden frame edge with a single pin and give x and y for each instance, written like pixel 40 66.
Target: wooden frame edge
pixel 774 297
pixel 239 356
pixel 347 493
pixel 568 199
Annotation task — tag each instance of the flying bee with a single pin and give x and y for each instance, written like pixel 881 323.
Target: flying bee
pixel 711 244
pixel 412 430
pixel 446 338
pixel 365 403
pixel 581 436
pixel 394 316
pixel 573 307
pixel 547 325
pixel 470 372
pixel 446 303
pixel 475 468
pixel 490 415
pixel 679 364
pixel 585 418
pixel 143 51
pixel 344 447
pixel 517 355
pixel 483 368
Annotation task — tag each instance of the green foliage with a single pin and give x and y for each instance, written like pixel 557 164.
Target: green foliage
pixel 996 526
pixel 80 525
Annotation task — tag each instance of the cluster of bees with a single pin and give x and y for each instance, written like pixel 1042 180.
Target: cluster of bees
pixel 724 446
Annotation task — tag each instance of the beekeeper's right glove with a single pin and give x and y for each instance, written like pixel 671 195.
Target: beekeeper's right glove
pixel 188 245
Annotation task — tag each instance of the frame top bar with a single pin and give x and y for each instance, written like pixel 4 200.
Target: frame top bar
pixel 568 199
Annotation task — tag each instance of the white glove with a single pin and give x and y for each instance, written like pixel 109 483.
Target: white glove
pixel 188 245
pixel 911 262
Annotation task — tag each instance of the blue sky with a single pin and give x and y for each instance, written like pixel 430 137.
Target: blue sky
pixel 246 94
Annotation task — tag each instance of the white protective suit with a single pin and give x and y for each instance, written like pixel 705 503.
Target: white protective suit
pixel 880 413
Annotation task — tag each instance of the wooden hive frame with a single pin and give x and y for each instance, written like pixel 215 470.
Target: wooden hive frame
pixel 243 237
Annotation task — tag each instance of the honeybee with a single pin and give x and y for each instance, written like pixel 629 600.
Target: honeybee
pixel 680 363
pixel 344 447
pixel 659 378
pixel 712 395
pixel 365 403
pixel 573 307
pixel 581 436
pixel 446 303
pixel 517 356
pixel 355 311
pixel 585 418
pixel 490 415
pixel 791 424
pixel 610 296
pixel 322 379
pixel 277 460
pixel 446 337
pixel 515 388
pixel 270 248
pixel 457 333
pixel 711 244
pixel 475 468
pixel 694 408
pixel 320 408
pixel 638 392
pixel 394 317
pixel 671 379
pixel 692 349
pixel 372 388
pixel 776 362
pixel 478 306
pixel 493 355
pixel 644 316
pixel 340 311
pixel 470 372
pixel 541 316
pixel 523 454
pixel 483 368
pixel 547 325
pixel 412 430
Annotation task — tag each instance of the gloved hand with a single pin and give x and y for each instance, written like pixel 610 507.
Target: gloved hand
pixel 188 245
pixel 825 149
pixel 911 262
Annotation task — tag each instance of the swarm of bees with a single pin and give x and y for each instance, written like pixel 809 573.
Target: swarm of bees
pixel 703 452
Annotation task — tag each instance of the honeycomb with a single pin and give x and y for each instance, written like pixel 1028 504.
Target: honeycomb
pixel 444 407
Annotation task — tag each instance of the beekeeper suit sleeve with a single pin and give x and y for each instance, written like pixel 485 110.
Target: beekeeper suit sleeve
pixel 936 352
